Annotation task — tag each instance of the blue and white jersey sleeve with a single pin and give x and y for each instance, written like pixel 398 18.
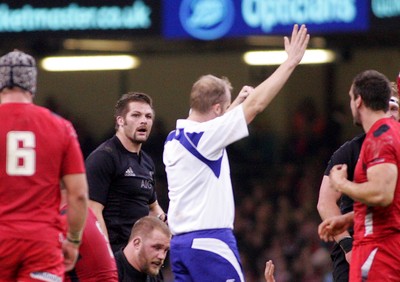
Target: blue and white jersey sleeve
pixel 197 166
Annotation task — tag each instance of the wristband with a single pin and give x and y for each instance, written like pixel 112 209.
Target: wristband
pixel 346 244
pixel 74 239
pixel 76 242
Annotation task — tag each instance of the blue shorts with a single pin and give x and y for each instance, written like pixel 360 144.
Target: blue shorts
pixel 206 255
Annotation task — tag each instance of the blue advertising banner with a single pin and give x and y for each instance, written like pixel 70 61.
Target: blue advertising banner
pixel 195 19
pixel 137 16
pixel 385 15
pixel 214 19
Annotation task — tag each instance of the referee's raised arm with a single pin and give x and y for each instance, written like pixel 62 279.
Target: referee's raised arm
pixel 269 88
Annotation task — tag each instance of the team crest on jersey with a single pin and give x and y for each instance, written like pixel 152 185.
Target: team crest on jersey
pixel 146 184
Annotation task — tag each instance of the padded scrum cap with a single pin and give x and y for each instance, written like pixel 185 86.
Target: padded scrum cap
pixel 18 69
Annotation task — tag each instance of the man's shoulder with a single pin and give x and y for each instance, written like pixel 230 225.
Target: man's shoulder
pixel 118 255
pixel 41 121
pixel 347 153
pixel 120 260
pixel 108 147
pixel 351 145
pixel 46 115
pixel 126 272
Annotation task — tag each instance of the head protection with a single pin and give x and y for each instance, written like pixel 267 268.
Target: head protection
pixel 18 69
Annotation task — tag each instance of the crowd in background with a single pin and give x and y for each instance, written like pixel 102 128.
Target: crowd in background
pixel 275 180
pixel 277 185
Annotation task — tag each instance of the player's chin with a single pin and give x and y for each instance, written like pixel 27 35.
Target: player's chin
pixel 141 138
pixel 155 269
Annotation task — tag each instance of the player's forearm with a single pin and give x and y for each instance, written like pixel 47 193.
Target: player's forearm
pixel 327 209
pixel 349 218
pixel 267 91
pixel 77 201
pixel 77 213
pixel 367 193
pixel 156 210
pixel 327 200
pixel 378 190
pixel 103 226
pixel 97 209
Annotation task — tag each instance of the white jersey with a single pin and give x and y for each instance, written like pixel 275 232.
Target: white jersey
pixel 198 173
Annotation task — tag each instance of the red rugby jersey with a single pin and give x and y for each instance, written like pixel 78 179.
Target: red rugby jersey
pixel 37 148
pixel 381 145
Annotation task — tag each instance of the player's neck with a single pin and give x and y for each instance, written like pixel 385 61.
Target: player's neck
pixel 370 117
pixel 15 96
pixel 200 117
pixel 133 147
pixel 130 258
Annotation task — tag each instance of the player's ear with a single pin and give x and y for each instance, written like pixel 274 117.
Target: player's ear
pixel 136 241
pixel 358 101
pixel 120 120
pixel 217 108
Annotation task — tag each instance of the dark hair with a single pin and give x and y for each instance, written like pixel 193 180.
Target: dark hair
pixel 207 91
pixel 121 107
pixel 374 89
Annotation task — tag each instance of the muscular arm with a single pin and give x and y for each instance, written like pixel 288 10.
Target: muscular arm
pixel 327 201
pixel 97 209
pixel 335 225
pixel 156 210
pixel 327 204
pixel 267 90
pixel 77 200
pixel 377 191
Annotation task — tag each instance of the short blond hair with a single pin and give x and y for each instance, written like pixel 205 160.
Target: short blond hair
pixel 146 225
pixel 207 91
pixel 395 91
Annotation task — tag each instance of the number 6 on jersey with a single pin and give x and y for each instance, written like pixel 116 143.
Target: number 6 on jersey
pixel 21 155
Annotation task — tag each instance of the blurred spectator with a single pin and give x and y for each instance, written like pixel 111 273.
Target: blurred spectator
pixel 85 136
pixel 276 219
pixel 307 129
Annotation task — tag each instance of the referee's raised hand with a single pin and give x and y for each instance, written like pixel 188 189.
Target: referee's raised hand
pixel 296 46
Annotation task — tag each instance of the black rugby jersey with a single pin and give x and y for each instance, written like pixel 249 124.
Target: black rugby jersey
pixel 127 273
pixel 348 154
pixel 123 182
